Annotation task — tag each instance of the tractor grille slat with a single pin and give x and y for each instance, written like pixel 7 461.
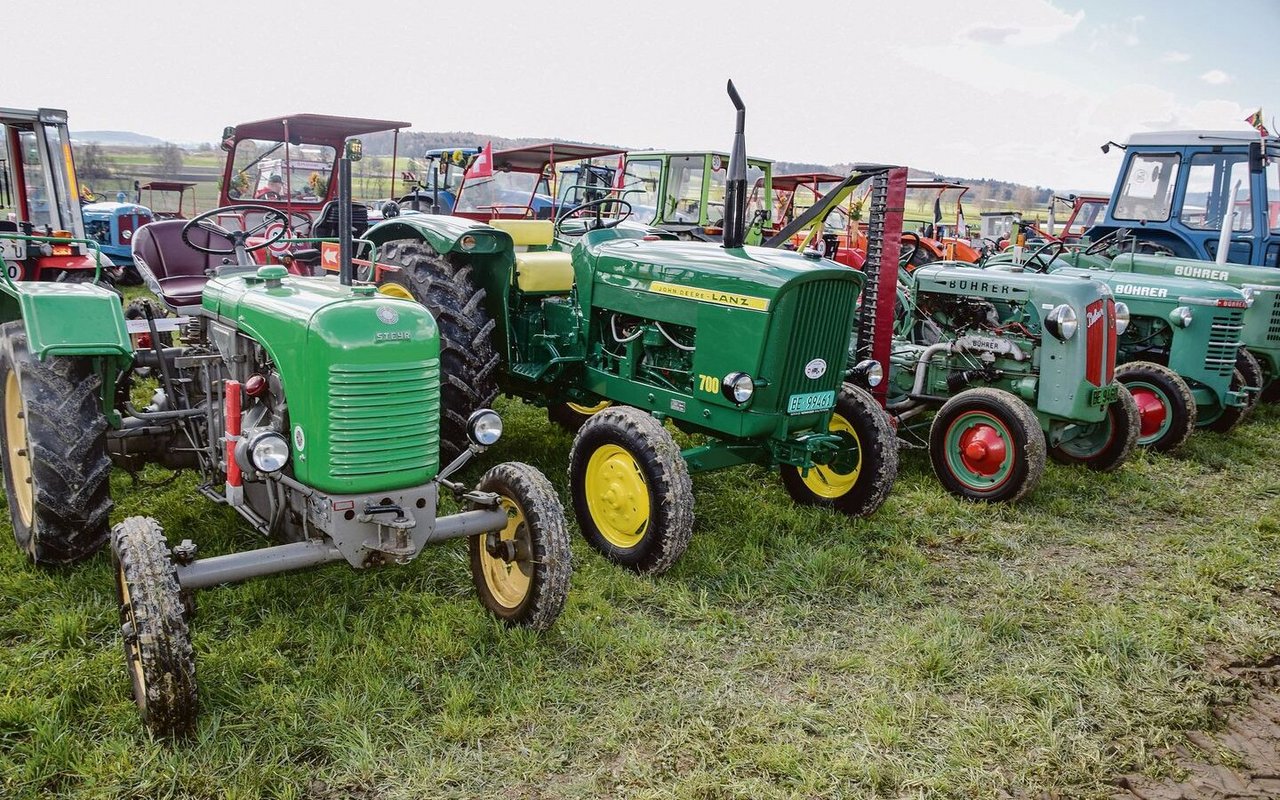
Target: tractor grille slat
pixel 1273 327
pixel 383 417
pixel 817 302
pixel 1224 342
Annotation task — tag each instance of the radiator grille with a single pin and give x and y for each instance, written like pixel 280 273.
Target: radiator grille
pixel 384 418
pixel 820 311
pixel 1224 341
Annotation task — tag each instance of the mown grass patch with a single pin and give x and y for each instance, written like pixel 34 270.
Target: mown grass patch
pixel 938 649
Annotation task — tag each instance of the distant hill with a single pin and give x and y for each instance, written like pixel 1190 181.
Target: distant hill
pixel 116 138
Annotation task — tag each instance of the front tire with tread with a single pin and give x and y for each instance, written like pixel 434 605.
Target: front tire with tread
pixel 1178 405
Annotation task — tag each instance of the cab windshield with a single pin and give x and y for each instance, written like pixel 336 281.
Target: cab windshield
pixel 262 170
pixel 503 193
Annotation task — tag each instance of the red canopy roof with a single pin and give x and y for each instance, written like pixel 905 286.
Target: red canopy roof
pixel 535 157
pixel 166 186
pixel 315 128
pixel 792 180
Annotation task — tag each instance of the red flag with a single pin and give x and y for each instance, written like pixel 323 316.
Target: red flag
pixel 620 175
pixel 482 167
pixel 1255 119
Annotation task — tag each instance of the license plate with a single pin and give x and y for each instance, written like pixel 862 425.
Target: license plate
pixel 1104 396
pixel 811 401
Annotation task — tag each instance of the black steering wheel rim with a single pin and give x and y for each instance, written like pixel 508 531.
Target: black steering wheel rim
pixel 575 213
pixel 238 238
pixel 1119 234
pixel 1034 256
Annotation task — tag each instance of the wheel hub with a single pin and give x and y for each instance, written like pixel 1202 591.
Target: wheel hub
pixel 982 450
pixel 1151 410
pixel 617 496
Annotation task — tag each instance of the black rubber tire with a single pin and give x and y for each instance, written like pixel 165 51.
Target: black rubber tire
pixel 1247 372
pixel 567 417
pixel 666 477
pixel 65 446
pixel 1174 394
pixel 544 540
pixel 1023 428
pixel 879 458
pixel 468 360
pixel 136 309
pixel 1122 414
pixel 153 625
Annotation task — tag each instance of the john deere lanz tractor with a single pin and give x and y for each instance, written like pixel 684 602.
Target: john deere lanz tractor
pixel 308 405
pixel 1012 363
pixel 745 346
pixel 1179 345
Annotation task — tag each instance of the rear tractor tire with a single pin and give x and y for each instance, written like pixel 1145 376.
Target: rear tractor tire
pixel 522 572
pixel 468 360
pixel 1104 446
pixel 631 489
pixel 1166 408
pixel 858 481
pixel 1247 374
pixel 153 626
pixel 54 454
pixel 986 444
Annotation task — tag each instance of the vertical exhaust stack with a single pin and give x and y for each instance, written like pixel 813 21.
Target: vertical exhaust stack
pixel 735 198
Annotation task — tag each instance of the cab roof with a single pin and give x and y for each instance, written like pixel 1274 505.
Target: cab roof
pixel 534 157
pixel 315 128
pixel 792 180
pixel 166 186
pixel 1197 137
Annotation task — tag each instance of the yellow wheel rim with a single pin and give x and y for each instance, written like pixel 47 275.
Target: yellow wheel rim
pixel 826 481
pixel 509 582
pixel 395 290
pixel 15 427
pixel 617 496
pixel 589 410
pixel 132 650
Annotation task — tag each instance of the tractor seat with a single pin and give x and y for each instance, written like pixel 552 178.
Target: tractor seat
pixel 175 272
pixel 540 270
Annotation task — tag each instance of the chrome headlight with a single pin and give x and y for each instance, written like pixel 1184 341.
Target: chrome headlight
pixel 268 451
pixel 1062 322
pixel 870 371
pixel 1122 318
pixel 738 387
pixel 484 427
pixel 1181 316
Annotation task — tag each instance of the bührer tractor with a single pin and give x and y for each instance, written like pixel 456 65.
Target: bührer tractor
pixel 311 406
pixel 743 346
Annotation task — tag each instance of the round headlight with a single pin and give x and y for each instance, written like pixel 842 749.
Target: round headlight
pixel 738 387
pixel 268 451
pixel 484 427
pixel 1181 316
pixel 1122 317
pixel 1062 322
pixel 468 242
pixel 870 371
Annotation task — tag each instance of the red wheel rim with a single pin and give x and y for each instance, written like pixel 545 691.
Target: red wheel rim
pixel 1151 410
pixel 982 451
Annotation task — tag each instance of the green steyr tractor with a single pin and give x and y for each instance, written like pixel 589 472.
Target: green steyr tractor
pixel 1179 346
pixel 742 346
pixel 1260 334
pixel 1012 363
pixel 309 405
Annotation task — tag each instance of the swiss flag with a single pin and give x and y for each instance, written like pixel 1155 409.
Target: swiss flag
pixel 482 167
pixel 620 175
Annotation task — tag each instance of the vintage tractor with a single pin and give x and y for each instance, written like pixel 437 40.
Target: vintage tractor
pixel 1180 349
pixel 1012 363
pixel 537 182
pixel 1199 195
pixel 311 406
pixel 112 223
pixel 167 199
pixel 42 235
pixel 744 347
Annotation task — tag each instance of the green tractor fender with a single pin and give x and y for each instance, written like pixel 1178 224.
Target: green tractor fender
pixel 444 234
pixel 68 319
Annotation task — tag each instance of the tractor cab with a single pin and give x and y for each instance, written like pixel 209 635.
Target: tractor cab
pixel 796 193
pixel 1187 192
pixel 434 189
pixel 938 240
pixel 165 198
pixel 42 232
pixel 1083 212
pixel 684 193
pixel 537 182
pixel 289 164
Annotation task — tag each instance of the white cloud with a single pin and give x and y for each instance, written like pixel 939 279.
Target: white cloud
pixel 1175 57
pixel 1215 77
pixel 1022 24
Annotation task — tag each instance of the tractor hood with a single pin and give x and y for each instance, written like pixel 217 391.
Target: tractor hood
pixel 958 278
pixel 1234 274
pixel 747 277
pixel 1166 291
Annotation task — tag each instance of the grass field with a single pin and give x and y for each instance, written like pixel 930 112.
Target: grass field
pixel 939 649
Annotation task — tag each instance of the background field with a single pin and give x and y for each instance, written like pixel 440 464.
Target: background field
pixel 939 649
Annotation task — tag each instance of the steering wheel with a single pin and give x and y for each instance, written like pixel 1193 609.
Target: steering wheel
pixel 1034 256
pixel 597 222
pixel 205 222
pixel 1118 235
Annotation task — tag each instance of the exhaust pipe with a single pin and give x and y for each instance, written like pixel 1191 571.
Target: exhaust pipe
pixel 735 197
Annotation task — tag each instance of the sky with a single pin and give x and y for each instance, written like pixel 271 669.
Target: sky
pixel 1019 90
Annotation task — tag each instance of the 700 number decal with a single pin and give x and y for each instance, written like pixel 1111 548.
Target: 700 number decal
pixel 709 384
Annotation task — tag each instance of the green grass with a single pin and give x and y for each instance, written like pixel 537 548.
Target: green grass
pixel 938 649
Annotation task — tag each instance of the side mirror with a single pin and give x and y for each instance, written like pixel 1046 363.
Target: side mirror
pixel 228 138
pixel 355 150
pixel 1256 162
